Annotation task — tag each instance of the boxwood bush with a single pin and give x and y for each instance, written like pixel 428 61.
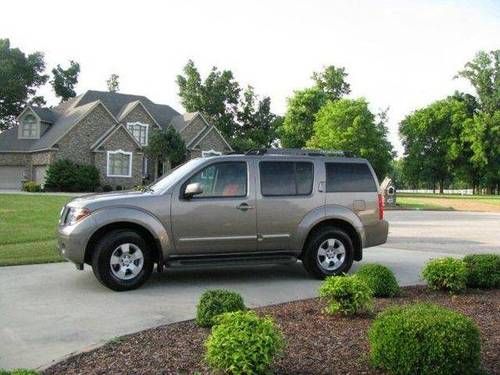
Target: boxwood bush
pixel 483 270
pixel 424 339
pixel 215 302
pixel 243 343
pixel 346 294
pixel 32 187
pixel 380 279
pixel 446 274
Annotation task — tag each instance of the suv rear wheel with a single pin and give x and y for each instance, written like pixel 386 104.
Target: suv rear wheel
pixel 122 260
pixel 328 252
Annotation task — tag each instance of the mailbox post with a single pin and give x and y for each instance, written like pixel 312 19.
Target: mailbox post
pixel 389 191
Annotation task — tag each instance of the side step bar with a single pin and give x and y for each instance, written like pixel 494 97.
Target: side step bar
pixel 230 260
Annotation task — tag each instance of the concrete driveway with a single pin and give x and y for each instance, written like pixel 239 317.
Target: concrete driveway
pixel 48 311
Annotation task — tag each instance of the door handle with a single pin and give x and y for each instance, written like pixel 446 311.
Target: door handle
pixel 244 207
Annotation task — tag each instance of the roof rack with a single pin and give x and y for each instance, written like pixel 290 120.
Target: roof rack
pixel 299 151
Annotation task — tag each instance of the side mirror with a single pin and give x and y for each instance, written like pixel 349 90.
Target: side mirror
pixel 194 188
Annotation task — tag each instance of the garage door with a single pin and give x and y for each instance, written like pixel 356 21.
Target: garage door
pixel 11 177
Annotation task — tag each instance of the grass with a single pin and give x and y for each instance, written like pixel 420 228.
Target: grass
pixel 419 204
pixel 424 201
pixel 28 225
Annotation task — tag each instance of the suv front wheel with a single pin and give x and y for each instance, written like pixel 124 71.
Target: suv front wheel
pixel 122 260
pixel 328 252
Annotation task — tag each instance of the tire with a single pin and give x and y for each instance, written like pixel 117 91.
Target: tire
pixel 332 242
pixel 122 260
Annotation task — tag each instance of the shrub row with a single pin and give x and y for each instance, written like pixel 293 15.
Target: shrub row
pixel 64 175
pixel 454 275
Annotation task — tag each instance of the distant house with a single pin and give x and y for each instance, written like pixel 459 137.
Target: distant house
pixel 108 130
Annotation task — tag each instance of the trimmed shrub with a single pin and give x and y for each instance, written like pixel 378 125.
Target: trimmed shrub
pixel 215 302
pixel 107 188
pixel 31 187
pixel 424 339
pixel 64 175
pixel 380 279
pixel 346 294
pixel 119 187
pixel 243 343
pixel 483 270
pixel 446 274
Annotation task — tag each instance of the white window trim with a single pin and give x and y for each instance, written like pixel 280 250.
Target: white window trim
pixel 108 153
pixel 140 124
pixel 36 124
pixel 211 152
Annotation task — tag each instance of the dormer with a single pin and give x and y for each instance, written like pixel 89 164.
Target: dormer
pixel 29 124
pixel 34 121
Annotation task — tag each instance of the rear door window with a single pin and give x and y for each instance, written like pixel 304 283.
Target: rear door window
pixel 286 178
pixel 349 177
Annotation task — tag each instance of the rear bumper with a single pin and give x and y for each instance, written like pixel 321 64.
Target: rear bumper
pixel 376 234
pixel 72 240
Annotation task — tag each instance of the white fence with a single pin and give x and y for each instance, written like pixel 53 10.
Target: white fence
pixel 446 191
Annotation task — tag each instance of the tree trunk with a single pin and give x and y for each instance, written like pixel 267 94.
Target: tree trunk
pixel 155 169
pixel 441 187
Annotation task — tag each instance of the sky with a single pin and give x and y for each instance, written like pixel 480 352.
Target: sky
pixel 399 54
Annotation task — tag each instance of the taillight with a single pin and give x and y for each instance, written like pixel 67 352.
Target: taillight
pixel 380 207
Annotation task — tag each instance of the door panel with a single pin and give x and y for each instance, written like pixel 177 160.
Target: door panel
pixel 11 177
pixel 281 206
pixel 223 218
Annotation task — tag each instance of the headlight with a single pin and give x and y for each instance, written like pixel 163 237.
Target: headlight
pixel 76 214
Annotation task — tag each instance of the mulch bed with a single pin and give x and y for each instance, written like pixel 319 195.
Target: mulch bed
pixel 316 343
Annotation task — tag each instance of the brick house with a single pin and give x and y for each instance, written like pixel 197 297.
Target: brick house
pixel 108 130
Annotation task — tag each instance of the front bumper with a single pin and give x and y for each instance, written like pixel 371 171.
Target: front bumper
pixel 73 239
pixel 376 234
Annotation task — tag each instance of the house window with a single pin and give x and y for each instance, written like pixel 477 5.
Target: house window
pixel 29 127
pixel 139 131
pixel 119 164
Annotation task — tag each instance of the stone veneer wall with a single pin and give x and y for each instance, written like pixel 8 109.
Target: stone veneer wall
pixel 193 129
pixel 120 140
pixel 75 145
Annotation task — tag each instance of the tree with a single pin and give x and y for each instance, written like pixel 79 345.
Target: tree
pixel 257 123
pixel 433 142
pixel 113 83
pixel 20 77
pixel 332 81
pixel 65 80
pixel 483 134
pixel 217 96
pixel 483 72
pixel 299 118
pixel 297 128
pixel 165 145
pixel 349 125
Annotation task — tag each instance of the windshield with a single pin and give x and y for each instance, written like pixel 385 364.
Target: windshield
pixel 175 174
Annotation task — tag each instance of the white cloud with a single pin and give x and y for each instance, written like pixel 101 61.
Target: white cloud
pixel 401 54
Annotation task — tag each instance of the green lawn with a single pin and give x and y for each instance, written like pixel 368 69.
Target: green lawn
pixel 419 201
pixel 28 225
pixel 418 204
pixel 490 199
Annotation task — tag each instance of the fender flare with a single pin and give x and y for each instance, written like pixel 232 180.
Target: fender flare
pixel 325 213
pixel 133 215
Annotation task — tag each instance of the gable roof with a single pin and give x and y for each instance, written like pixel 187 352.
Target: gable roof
pixel 66 115
pixel 109 133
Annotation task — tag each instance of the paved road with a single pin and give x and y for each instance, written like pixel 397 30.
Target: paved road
pixel 48 311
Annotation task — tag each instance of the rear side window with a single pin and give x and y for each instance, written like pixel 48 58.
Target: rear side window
pixel 349 177
pixel 278 178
